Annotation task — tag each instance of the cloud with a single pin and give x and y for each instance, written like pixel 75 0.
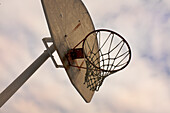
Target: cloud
pixel 140 89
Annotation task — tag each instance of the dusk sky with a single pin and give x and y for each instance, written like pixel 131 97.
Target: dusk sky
pixel 142 87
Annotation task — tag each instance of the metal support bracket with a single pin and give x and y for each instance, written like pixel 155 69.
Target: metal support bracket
pixel 76 53
pixel 46 41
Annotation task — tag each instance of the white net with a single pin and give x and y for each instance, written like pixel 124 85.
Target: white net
pixel 111 53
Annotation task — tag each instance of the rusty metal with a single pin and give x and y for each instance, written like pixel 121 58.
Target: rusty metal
pixel 76 53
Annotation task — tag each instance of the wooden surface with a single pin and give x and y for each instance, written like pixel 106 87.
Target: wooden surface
pixel 69 22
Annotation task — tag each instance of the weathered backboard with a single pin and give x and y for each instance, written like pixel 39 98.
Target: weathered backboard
pixel 69 22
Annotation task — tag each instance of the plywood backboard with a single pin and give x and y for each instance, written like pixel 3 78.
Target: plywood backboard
pixel 69 22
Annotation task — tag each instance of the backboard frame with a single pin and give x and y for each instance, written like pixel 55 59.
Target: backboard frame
pixel 69 22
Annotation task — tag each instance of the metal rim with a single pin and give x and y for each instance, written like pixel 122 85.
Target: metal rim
pixel 106 30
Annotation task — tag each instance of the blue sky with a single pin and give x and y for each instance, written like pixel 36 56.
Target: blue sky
pixel 143 87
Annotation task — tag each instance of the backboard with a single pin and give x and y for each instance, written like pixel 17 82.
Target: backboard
pixel 69 22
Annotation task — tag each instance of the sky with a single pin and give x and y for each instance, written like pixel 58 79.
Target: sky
pixel 142 87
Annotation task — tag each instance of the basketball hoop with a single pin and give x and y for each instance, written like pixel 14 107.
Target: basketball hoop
pixel 105 52
pixel 113 54
pixel 87 60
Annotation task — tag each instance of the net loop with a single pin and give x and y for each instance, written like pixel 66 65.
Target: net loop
pixel 106 52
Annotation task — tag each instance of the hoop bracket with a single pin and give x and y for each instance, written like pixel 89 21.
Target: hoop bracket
pixel 76 53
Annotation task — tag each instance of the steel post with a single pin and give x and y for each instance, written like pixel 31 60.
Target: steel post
pixel 18 82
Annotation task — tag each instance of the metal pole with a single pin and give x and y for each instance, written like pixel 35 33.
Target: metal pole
pixel 18 82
